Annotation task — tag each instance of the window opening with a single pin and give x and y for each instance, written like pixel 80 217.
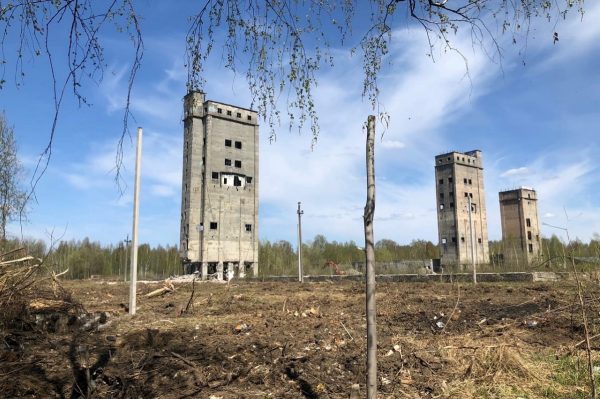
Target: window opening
pixel 213 225
pixel 227 162
pixel 238 164
pixel 441 181
pixel 529 235
pixel 248 227
pixel 238 145
pixel 228 113
pixel 248 179
pixel 530 248
pixel 219 110
pixel 227 143
pixel 249 117
pixel 528 222
pixel 239 114
pixel 215 175
pixel 462 239
pixel 237 182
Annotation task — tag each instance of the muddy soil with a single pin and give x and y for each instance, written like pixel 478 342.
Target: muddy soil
pixel 291 340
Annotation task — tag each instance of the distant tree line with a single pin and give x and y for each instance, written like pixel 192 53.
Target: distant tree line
pixel 85 258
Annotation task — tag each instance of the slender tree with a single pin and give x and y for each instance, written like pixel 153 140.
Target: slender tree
pixel 12 197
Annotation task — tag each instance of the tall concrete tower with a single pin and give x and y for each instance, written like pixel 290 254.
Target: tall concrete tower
pixel 219 201
pixel 459 177
pixel 520 224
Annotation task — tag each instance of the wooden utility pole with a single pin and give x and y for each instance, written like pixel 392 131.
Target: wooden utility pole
pixel 472 241
pixel 136 211
pixel 370 263
pixel 300 271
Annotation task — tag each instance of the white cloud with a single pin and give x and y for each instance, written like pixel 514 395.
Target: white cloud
pixel 516 172
pixel 392 144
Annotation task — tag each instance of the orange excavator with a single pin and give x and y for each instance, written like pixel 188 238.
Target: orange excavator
pixel 335 269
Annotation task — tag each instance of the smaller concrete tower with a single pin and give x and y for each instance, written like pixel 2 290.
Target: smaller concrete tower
pixel 520 224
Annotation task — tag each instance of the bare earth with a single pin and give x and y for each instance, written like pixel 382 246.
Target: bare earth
pixel 286 340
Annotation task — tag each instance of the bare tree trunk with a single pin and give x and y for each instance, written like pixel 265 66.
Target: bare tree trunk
pixel 370 263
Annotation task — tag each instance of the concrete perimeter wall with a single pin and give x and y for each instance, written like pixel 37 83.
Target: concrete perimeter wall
pixel 422 278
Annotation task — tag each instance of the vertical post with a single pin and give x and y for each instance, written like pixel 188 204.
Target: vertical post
pixel 472 242
pixel 136 211
pixel 127 242
pixel 300 270
pixel 370 263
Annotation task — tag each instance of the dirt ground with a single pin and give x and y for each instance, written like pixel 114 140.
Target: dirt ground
pixel 291 340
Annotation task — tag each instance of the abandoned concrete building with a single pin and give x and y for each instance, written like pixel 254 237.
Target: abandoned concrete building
pixel 459 181
pixel 520 224
pixel 219 202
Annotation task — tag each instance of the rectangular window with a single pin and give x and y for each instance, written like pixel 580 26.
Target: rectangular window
pixel 248 227
pixel 237 182
pixel 441 181
pixel 528 222
pixel 228 113
pixel 530 248
pixel 441 207
pixel 238 145
pixel 239 114
pixel 219 110
pixel 224 180
pixel 215 175
pixel 213 225
pixel 453 239
pixel 227 143
pixel 449 180
pixel 470 182
pixel 443 240
pixel 466 195
pixel 238 164
pixel 227 162
pixel 451 194
pixel 248 179
pixel 471 195
pixel 473 208
pixel 529 235
pixel 452 205
pixel 249 117
pixel 462 239
pixel 479 240
pixel 442 195
pixel 465 181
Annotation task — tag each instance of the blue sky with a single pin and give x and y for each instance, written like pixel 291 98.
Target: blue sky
pixel 537 123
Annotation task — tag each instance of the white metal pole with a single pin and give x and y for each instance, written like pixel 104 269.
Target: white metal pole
pixel 136 211
pixel 300 271
pixel 472 242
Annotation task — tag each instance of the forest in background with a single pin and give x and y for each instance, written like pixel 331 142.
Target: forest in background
pixel 88 259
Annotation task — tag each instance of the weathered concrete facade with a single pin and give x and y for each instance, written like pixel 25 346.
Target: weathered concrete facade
pixel 520 224
pixel 459 176
pixel 219 205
